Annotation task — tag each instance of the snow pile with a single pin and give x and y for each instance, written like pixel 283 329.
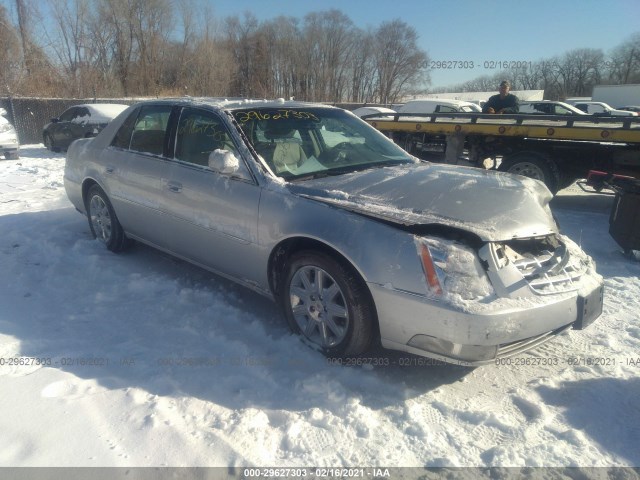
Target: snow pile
pixel 142 360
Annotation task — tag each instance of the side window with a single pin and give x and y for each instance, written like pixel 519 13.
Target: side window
pixel 68 115
pixel 200 133
pixel 149 129
pixel 445 109
pixel 123 136
pixel 82 115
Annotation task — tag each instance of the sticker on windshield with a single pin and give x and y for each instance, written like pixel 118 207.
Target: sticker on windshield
pixel 244 117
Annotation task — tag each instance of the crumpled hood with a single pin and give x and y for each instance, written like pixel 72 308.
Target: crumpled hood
pixel 493 205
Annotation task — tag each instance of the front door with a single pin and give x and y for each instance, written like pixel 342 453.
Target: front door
pixel 213 216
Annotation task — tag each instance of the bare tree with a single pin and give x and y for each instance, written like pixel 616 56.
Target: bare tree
pixel 283 37
pixel 329 43
pixel 363 68
pixel 152 22
pixel 580 70
pixel 624 62
pixel 400 64
pixel 70 42
pixel 247 44
pixel 9 53
pixel 117 16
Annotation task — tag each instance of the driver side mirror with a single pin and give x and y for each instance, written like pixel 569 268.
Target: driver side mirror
pixel 226 163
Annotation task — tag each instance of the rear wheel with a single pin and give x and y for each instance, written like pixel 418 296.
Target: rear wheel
pixel 328 304
pixel 103 222
pixel 533 165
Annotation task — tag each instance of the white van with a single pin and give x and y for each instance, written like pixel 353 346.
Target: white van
pixel 439 105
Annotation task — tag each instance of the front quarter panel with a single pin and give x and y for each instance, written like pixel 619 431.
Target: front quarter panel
pixel 381 253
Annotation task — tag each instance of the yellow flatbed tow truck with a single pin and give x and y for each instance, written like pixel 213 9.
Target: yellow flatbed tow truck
pixel 554 149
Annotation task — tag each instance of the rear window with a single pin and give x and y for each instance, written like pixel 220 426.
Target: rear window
pixel 144 130
pixel 150 129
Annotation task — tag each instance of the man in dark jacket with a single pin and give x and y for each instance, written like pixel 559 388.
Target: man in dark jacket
pixel 505 102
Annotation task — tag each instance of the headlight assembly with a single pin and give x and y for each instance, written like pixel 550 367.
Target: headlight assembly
pixel 452 269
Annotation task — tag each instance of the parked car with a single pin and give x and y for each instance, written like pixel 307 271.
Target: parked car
pixel 602 109
pixel 630 108
pixel 548 107
pixel 8 138
pixel 439 105
pixel 362 111
pixel 357 241
pixel 79 121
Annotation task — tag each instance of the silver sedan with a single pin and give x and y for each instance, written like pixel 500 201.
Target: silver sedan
pixel 357 241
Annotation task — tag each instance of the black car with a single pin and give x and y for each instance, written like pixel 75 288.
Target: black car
pixel 79 121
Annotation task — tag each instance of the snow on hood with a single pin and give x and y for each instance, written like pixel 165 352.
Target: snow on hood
pixel 493 205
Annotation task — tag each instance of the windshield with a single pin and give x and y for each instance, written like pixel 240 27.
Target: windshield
pixel 303 142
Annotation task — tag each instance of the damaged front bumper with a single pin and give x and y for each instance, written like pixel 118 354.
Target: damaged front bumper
pixel 537 297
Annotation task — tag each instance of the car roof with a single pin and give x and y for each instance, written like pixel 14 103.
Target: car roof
pixel 372 110
pixel 439 101
pixel 105 109
pixel 551 102
pixel 235 103
pixel 568 106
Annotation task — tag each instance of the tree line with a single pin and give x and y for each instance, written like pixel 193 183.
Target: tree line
pixel 108 48
pixel 572 74
pixel 114 48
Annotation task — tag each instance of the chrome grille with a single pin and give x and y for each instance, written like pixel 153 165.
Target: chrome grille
pixel 549 272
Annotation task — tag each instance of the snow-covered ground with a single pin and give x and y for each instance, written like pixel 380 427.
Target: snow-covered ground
pixel 142 360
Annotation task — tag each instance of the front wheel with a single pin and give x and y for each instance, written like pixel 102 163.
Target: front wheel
pixel 11 155
pixel 48 143
pixel 103 222
pixel 328 304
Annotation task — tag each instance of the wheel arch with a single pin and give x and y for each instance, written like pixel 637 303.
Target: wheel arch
pixel 283 251
pixel 87 183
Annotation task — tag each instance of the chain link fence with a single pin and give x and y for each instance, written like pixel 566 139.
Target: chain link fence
pixel 30 115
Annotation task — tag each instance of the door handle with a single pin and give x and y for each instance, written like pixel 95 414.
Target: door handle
pixel 109 170
pixel 174 186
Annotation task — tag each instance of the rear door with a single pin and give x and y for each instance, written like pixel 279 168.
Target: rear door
pixel 137 164
pixel 77 127
pixel 61 130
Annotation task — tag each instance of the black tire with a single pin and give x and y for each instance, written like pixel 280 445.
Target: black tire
pixel 533 165
pixel 49 143
pixel 11 155
pixel 103 221
pixel 342 289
